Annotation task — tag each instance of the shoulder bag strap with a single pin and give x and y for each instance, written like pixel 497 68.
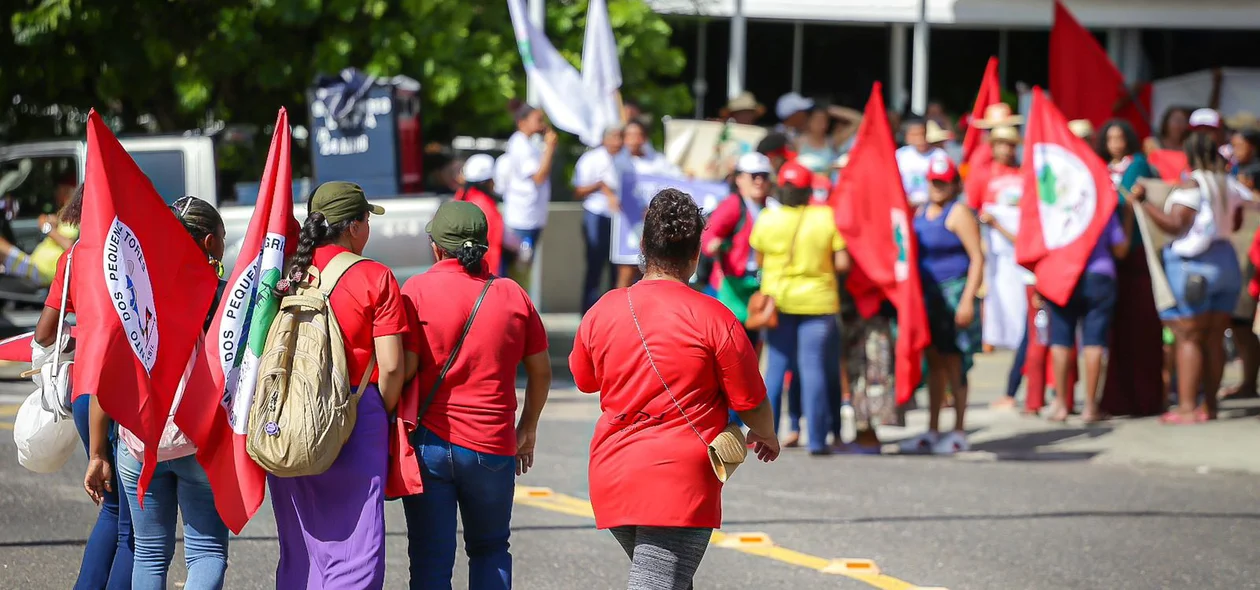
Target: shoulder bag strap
pixel 450 360
pixel 652 362
pixel 61 314
pixel 333 271
pixel 792 244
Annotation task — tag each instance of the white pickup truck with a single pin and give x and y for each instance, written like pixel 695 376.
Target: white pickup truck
pixel 177 165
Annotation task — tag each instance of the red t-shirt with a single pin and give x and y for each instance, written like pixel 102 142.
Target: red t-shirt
pixel 994 182
pixel 494 224
pixel 648 467
pixel 476 405
pixel 368 305
pixel 58 285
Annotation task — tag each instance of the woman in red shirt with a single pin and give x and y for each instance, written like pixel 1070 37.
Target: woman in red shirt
pixel 476 330
pixel 478 188
pixel 332 525
pixel 669 363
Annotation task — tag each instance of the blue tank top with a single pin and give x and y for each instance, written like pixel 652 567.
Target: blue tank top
pixel 941 254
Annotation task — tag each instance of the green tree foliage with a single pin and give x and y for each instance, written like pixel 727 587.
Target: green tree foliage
pixel 178 64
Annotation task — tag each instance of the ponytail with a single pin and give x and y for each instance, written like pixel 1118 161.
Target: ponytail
pixel 469 256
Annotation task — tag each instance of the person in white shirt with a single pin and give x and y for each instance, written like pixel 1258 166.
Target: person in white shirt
pixel 1202 271
pixel 525 169
pixel 913 160
pixel 643 157
pixel 597 180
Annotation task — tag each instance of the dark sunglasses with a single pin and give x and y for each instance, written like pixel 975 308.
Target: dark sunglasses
pixel 760 176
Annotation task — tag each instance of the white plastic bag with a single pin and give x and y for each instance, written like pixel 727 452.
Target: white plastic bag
pixel 44 443
pixel 55 390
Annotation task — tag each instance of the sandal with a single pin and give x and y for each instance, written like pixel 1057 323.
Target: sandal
pixel 1058 413
pixel 792 440
pixel 1175 418
pixel 1094 417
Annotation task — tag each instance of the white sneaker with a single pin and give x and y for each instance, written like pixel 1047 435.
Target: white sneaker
pixel 954 442
pixel 848 424
pixel 922 444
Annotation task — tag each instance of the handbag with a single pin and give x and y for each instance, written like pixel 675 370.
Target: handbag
pixel 50 369
pixel 763 312
pixel 729 448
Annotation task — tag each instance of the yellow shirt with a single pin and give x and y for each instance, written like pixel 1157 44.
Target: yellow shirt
pixel 808 286
pixel 46 254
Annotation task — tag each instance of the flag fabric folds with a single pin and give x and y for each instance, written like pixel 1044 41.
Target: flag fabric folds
pixel 145 290
pixel 565 98
pixel 990 93
pixel 601 68
pixel 874 217
pixel 1085 83
pixel 1074 202
pixel 214 415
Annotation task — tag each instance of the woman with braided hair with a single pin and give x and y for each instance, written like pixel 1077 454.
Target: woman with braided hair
pixel 331 526
pixel 1203 272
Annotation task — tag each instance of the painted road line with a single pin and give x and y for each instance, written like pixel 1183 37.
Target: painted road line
pixel 9 410
pixel 759 544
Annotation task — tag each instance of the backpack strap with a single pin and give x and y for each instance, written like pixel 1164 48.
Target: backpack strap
pixel 325 280
pixel 450 360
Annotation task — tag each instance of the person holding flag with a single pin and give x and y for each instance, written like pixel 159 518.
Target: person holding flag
pixel 179 486
pixel 951 263
pixel 332 525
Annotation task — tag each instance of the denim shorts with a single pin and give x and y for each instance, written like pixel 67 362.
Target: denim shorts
pixel 1091 307
pixel 1218 265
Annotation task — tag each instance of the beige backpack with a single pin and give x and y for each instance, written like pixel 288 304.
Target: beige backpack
pixel 303 409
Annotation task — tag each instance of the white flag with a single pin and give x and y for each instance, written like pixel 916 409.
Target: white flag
pixel 601 70
pixel 564 97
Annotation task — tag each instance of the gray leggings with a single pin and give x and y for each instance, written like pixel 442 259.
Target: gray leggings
pixel 662 558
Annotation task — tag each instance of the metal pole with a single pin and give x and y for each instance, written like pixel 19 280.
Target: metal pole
pixel 537 17
pixel 897 66
pixel 919 81
pixel 1004 48
pixel 701 86
pixel 735 66
pixel 798 52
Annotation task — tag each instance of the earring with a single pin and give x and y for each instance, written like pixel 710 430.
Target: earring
pixel 218 266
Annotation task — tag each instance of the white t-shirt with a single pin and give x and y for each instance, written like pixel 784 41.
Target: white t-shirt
pixel 651 162
pixel 594 166
pixel 913 165
pixel 1213 213
pixel 524 202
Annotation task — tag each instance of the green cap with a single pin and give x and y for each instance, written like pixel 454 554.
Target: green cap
pixel 339 200
pixel 458 224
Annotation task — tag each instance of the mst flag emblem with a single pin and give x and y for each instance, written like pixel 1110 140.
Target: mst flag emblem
pixel 1066 193
pixel 250 308
pixel 127 277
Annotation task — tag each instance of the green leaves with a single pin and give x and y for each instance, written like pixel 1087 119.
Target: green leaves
pixel 176 60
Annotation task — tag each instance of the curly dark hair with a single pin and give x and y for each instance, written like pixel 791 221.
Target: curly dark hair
pixel 200 218
pixel 1132 144
pixel 791 196
pixel 671 234
pixel 316 232
pixel 1202 152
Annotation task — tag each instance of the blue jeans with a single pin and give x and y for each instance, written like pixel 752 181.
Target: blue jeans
pixel 800 344
pixel 1017 368
pixel 177 484
pixel 481 486
pixel 509 257
pixel 1218 265
pixel 597 234
pixel 108 553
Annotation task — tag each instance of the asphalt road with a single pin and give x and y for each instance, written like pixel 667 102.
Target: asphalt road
pixel 925 522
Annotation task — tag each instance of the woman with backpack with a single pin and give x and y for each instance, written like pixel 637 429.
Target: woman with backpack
pixel 331 526
pixel 179 484
pixel 471 447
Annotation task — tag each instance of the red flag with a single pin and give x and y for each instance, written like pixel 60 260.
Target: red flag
pixel 990 93
pixel 17 349
pixel 216 414
pixel 874 217
pixel 1075 200
pixel 1171 164
pixel 1084 82
pixel 143 287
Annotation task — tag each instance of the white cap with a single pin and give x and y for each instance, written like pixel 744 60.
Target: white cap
pixel 478 168
pixel 1205 118
pixel 753 163
pixel 791 103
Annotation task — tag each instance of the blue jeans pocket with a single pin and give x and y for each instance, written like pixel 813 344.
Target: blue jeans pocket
pixel 495 463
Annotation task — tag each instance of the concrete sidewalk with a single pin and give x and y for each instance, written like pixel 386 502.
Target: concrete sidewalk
pixel 1229 444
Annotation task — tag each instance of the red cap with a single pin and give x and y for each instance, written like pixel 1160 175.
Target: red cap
pixel 943 169
pixel 795 176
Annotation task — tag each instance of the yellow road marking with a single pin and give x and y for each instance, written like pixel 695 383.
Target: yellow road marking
pixel 9 410
pixel 563 504
pixel 6 426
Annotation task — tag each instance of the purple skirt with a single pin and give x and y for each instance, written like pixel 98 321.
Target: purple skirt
pixel 332 525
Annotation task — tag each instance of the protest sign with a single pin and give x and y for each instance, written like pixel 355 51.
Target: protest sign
pixel 708 149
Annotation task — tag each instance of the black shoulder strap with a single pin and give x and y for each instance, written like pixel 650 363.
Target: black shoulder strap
pixel 450 360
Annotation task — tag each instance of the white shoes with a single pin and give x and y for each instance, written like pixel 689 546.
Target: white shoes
pixel 953 442
pixel 920 445
pixel 936 444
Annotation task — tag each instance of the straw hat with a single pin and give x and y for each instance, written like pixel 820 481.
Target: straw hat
pixel 997 115
pixel 744 101
pixel 1005 133
pixel 1243 121
pixel 936 133
pixel 1081 128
